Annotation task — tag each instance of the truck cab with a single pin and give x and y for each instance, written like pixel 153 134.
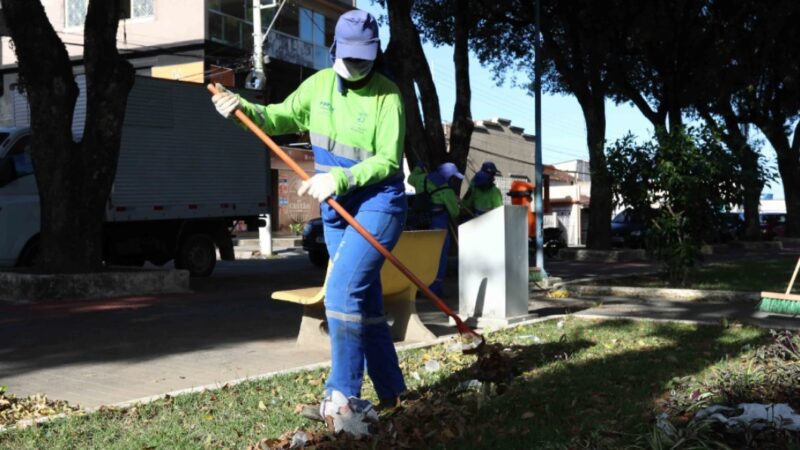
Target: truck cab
pixel 19 199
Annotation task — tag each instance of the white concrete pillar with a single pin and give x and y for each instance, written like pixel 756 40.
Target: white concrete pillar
pixel 265 235
pixel 493 267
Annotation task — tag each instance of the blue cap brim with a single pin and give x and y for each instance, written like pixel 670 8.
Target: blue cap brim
pixel 358 50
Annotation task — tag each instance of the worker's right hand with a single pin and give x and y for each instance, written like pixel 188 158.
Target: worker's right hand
pixel 225 101
pixel 320 186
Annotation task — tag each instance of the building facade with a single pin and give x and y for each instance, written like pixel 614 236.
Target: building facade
pixel 569 200
pixel 508 146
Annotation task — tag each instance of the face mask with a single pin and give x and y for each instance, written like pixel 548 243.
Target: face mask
pixel 352 70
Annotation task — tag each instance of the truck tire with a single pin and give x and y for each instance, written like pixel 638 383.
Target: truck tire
pixel 197 255
pixel 29 254
pixel 318 258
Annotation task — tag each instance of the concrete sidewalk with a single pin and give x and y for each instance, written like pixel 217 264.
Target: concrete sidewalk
pixel 109 351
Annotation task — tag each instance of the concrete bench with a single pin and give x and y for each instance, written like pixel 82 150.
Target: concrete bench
pixel 419 251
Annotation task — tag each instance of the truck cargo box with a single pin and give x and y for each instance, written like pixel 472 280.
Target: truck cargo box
pixel 178 158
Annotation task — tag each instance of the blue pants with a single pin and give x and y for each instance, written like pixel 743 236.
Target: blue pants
pixel 441 221
pixel 354 307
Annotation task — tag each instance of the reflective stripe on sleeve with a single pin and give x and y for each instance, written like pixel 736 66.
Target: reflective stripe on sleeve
pixel 350 180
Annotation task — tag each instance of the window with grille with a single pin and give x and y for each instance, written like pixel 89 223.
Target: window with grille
pixel 76 10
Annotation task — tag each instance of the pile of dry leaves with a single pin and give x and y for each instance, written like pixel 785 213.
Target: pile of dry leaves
pixel 425 418
pixel 13 409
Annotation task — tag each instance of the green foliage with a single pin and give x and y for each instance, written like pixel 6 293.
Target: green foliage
pixel 672 244
pixel 296 225
pixel 690 178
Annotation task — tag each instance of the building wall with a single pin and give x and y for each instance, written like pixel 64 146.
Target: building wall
pixel 578 168
pixel 291 207
pixel 173 21
pixel 509 147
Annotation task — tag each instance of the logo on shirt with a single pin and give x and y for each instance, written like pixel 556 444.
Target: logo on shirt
pixel 326 106
pixel 359 123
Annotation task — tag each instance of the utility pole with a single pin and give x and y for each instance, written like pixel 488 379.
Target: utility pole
pixel 538 179
pixel 256 79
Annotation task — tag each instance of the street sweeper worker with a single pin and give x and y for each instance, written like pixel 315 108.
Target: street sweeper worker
pixel 354 117
pixel 483 195
pixel 442 203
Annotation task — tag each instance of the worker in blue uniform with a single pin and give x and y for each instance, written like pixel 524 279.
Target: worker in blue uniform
pixel 355 119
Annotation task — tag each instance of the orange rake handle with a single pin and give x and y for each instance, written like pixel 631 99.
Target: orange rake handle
pixel 462 327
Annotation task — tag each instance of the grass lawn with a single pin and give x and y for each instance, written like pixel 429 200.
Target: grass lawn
pixel 577 384
pixel 753 275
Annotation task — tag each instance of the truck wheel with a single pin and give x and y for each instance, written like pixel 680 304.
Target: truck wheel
pixel 318 258
pixel 29 254
pixel 197 255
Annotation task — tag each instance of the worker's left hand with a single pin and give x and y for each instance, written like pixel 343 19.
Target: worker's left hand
pixel 320 186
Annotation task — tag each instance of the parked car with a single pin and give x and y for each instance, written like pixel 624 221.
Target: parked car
pixel 553 241
pixel 314 242
pixel 731 228
pixel 628 229
pixel 772 225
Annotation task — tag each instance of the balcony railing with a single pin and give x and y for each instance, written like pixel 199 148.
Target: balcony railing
pixel 230 30
pixel 236 32
pixel 291 49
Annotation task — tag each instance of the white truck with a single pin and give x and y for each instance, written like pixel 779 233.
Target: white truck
pixel 185 178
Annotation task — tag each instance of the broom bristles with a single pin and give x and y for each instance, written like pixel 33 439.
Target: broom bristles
pixel 779 306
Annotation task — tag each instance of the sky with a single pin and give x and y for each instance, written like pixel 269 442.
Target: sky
pixel 563 127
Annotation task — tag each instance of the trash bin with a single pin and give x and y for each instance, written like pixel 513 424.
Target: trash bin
pixel 521 193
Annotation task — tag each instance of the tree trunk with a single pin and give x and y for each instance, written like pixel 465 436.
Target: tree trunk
pixel 752 181
pixel 462 127
pixel 753 185
pixel 74 180
pixel 789 169
pixel 599 230
pixel 404 54
pixel 46 73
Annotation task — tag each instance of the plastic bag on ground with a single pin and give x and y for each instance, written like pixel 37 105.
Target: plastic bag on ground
pixel 753 416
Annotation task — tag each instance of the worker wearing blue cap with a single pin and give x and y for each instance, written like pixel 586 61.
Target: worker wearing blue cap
pixel 355 120
pixel 483 195
pixel 444 206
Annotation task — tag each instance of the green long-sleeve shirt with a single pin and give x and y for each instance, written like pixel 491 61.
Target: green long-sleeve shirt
pixel 482 199
pixel 357 137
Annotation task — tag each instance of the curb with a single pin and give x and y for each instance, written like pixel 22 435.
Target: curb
pixel 665 293
pixel 603 278
pixel 22 287
pixel 588 255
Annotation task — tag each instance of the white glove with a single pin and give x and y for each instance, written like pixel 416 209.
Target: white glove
pixel 351 415
pixel 320 186
pixel 225 101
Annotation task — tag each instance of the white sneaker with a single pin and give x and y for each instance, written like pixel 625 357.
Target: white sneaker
pixel 351 415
